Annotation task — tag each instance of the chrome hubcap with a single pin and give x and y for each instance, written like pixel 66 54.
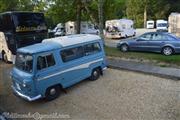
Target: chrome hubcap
pixel 124 48
pixel 167 51
pixel 95 73
pixel 52 91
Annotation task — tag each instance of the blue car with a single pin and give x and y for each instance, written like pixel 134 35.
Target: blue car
pixel 161 42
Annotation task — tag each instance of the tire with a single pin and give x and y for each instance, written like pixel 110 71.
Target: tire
pixel 52 93
pixel 124 47
pixel 95 74
pixel 4 57
pixel 134 34
pixel 167 51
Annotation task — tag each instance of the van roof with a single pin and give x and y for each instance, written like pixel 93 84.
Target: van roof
pixel 73 39
pixel 39 47
pixel 59 42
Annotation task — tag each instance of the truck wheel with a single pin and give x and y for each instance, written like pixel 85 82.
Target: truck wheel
pixel 95 74
pixel 4 57
pixel 52 93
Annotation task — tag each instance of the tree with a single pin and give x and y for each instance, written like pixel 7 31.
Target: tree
pixel 142 10
pixel 5 5
pixel 78 15
pixel 101 19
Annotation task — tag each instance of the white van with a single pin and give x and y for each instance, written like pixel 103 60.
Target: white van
pixel 150 24
pixel 59 30
pixel 86 28
pixel 119 28
pixel 162 25
pixel 174 24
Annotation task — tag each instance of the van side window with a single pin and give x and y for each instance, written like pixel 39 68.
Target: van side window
pixel 72 54
pixel 45 61
pixel 92 48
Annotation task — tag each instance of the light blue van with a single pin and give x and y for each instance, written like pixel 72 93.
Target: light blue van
pixel 43 69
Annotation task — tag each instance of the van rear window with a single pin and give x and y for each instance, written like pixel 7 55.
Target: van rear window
pixel 92 48
pixel 78 52
pixel 45 61
pixel 71 54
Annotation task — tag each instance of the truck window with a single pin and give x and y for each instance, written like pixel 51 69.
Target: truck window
pixel 72 54
pixel 7 23
pixel 45 62
pixel 92 48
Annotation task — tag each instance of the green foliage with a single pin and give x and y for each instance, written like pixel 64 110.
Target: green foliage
pixel 114 52
pixel 57 11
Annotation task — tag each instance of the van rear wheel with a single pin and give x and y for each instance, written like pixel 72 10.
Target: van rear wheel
pixel 52 93
pixel 95 74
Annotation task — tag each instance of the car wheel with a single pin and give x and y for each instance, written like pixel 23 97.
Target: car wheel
pixel 52 93
pixel 167 51
pixel 95 74
pixel 124 48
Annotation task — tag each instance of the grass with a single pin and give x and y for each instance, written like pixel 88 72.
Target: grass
pixel 114 52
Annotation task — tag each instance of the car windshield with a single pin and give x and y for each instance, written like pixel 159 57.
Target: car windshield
pixel 24 62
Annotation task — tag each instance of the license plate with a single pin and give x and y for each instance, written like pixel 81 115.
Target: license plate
pixel 18 86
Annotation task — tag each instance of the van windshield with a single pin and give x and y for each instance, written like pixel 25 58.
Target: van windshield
pixel 24 62
pixel 162 25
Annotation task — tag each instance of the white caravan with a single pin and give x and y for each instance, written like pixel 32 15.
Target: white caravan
pixel 150 24
pixel 161 25
pixel 119 28
pixel 174 24
pixel 86 28
pixel 59 30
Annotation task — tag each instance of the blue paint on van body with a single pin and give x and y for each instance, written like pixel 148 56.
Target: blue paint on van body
pixel 31 83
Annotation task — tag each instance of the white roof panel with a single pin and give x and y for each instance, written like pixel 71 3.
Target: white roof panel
pixel 73 39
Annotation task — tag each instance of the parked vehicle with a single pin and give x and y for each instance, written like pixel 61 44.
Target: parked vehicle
pixel 19 29
pixel 161 42
pixel 59 30
pixel 43 69
pixel 161 26
pixel 86 28
pixel 150 24
pixel 174 24
pixel 119 28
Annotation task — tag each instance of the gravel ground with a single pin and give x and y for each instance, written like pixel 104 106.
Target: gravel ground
pixel 120 95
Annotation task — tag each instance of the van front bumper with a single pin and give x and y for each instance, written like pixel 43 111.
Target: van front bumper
pixel 25 96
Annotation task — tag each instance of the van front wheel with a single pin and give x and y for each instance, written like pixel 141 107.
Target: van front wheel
pixel 52 93
pixel 95 74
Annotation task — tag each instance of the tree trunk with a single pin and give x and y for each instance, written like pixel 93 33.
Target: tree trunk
pixel 145 15
pixel 101 19
pixel 78 17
